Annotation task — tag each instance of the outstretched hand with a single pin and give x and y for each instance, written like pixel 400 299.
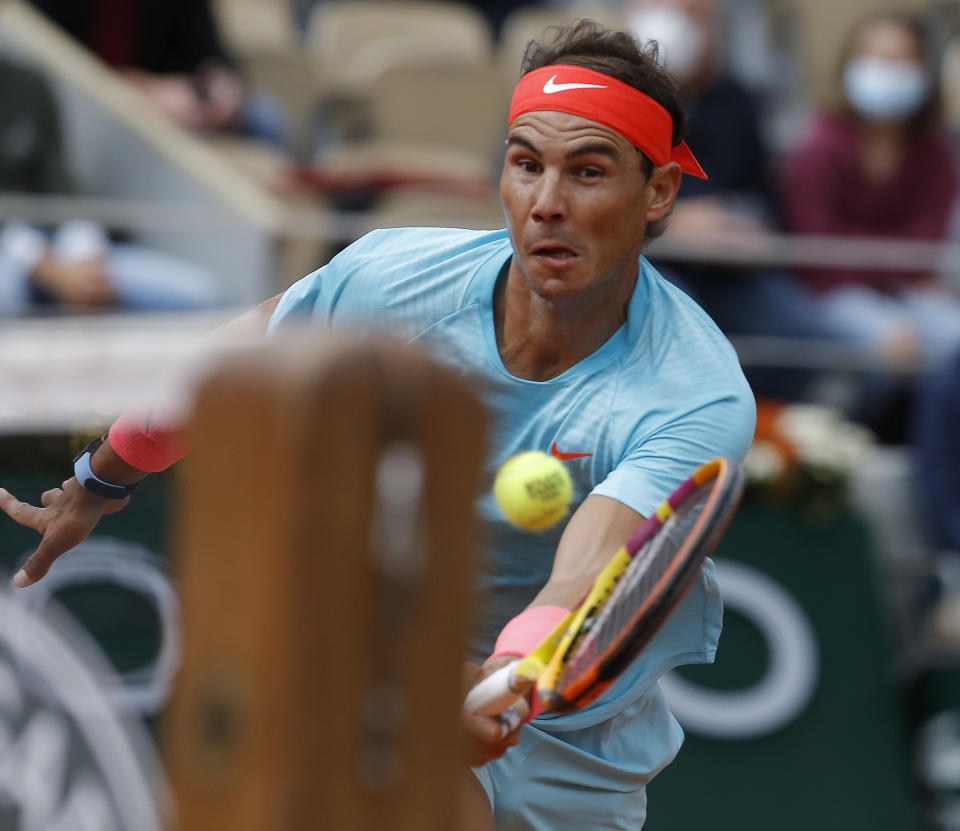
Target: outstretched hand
pixel 484 739
pixel 67 516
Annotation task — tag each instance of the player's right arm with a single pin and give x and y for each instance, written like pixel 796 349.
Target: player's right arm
pixel 66 515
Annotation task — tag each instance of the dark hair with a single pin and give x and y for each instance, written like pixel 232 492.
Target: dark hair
pixel 592 46
pixel 919 28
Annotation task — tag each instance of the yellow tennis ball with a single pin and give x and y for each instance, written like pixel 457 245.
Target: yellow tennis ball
pixel 533 489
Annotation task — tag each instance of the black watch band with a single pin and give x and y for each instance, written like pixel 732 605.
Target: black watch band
pixel 88 479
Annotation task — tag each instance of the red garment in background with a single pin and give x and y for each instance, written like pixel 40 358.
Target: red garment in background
pixel 115 32
pixel 825 191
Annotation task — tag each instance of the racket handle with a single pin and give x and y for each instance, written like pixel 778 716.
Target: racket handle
pixel 495 693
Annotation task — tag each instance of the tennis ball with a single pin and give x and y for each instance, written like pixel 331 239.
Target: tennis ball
pixel 533 489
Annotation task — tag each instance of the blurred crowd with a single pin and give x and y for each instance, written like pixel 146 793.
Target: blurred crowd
pixel 875 159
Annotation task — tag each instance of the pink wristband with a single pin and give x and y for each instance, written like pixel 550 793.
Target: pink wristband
pixel 523 633
pixel 146 440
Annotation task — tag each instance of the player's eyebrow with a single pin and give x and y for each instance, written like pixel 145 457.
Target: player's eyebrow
pixel 602 148
pixel 588 149
pixel 522 142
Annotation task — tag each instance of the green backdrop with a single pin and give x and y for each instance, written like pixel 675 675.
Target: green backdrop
pixel 842 762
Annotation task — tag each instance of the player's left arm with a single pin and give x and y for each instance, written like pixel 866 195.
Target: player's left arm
pixel 592 536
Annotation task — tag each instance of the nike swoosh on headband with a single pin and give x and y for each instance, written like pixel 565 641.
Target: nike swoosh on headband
pixel 551 86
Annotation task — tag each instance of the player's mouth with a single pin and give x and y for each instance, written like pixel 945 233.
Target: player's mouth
pixel 555 255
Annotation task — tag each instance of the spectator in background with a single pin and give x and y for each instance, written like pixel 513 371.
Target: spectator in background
pixel 737 199
pixel 497 11
pixel 171 50
pixel 880 165
pixel 74 265
pixel 724 116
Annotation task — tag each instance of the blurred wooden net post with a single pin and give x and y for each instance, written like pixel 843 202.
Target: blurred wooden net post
pixel 325 553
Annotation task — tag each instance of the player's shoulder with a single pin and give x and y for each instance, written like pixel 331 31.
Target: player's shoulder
pixel 416 245
pixel 405 279
pixel 667 322
pixel 409 267
pixel 676 347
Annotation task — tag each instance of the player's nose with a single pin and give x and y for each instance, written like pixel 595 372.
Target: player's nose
pixel 549 203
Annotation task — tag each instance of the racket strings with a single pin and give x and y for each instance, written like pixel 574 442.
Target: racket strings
pixel 635 585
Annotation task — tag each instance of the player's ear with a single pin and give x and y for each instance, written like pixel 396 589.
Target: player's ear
pixel 662 186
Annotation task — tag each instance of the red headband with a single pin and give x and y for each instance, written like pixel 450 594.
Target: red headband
pixel 637 117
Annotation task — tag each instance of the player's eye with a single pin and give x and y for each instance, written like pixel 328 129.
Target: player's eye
pixel 592 172
pixel 528 166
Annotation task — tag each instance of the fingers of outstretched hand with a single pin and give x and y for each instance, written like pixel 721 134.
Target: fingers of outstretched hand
pixel 38 563
pixel 58 538
pixel 67 518
pixel 48 498
pixel 21 512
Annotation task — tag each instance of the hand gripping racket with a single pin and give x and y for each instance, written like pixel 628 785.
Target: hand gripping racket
pixel 630 600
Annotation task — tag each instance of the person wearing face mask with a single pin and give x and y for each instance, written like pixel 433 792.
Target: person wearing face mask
pixel 880 165
pixel 738 198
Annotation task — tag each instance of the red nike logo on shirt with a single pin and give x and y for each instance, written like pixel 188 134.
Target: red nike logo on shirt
pixel 564 457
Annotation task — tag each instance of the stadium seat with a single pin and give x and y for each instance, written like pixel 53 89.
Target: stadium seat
pixel 431 120
pixel 530 22
pixel 340 33
pixel 440 102
pixel 252 26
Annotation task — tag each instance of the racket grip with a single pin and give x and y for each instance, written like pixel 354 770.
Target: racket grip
pixel 495 693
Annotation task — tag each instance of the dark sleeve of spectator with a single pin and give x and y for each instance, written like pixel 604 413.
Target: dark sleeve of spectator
pixel 758 175
pixel 180 36
pixel 724 134
pixel 200 32
pixel 73 16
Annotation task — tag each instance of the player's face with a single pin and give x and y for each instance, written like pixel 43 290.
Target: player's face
pixel 577 203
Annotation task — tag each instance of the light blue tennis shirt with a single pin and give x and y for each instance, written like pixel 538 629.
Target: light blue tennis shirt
pixel 662 396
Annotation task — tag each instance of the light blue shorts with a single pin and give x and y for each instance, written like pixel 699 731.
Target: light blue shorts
pixel 593 777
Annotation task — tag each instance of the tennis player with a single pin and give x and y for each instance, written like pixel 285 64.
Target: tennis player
pixel 581 349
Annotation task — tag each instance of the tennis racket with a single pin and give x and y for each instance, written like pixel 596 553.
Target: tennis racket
pixel 630 600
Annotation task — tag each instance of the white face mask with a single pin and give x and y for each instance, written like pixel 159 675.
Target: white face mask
pixel 884 90
pixel 682 39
